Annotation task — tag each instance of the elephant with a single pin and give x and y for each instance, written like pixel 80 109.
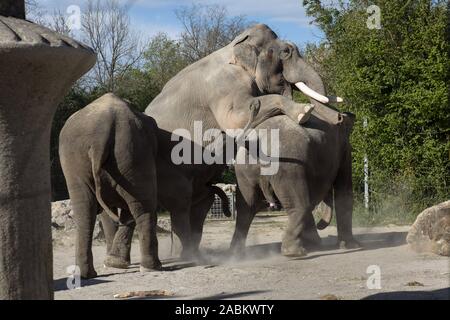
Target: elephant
pixel 108 156
pixel 119 237
pixel 314 165
pixel 217 90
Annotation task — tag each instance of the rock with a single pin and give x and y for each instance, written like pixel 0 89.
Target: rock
pixel 164 225
pixel 62 215
pixel 227 188
pixel 62 220
pixel 431 230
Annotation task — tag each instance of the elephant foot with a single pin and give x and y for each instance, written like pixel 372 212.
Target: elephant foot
pixel 186 255
pixel 190 254
pixel 116 262
pixel 311 239
pixel 236 252
pixel 194 256
pixel 293 250
pixel 349 244
pixel 149 265
pixel 88 274
pixel 143 269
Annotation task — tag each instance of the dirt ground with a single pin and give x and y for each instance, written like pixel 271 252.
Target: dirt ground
pixel 328 273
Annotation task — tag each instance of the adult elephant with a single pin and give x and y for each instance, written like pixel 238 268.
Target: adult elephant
pixel 256 68
pixel 314 165
pixel 108 153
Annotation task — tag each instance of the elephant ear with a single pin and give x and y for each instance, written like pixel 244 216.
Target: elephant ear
pixel 245 54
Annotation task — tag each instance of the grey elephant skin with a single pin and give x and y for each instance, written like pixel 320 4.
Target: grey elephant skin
pixel 314 165
pixel 217 90
pixel 108 153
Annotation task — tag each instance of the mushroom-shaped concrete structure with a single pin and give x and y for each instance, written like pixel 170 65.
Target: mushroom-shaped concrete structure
pixel 37 68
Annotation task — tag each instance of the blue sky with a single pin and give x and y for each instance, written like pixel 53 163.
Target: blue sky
pixel 286 17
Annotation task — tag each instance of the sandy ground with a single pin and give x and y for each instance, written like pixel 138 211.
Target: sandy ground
pixel 265 274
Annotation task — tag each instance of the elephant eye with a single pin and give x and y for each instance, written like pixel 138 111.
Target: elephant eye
pixel 285 53
pixel 270 53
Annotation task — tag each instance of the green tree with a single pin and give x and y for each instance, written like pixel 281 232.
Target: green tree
pixel 162 59
pixel 397 78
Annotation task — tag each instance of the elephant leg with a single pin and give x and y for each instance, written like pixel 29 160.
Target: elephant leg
pixel 249 200
pixel 310 236
pixel 343 194
pixel 199 211
pixel 119 253
pixel 84 208
pixel 148 241
pixel 295 198
pixel 109 228
pixel 181 225
pixel 175 195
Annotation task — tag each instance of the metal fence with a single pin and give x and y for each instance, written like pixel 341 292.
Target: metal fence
pixel 216 212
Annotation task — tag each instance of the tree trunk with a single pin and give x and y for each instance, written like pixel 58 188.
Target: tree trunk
pixel 37 68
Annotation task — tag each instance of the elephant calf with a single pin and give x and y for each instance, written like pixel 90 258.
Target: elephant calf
pixel 108 154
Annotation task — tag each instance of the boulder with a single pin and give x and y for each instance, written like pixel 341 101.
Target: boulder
pixel 431 230
pixel 227 188
pixel 62 221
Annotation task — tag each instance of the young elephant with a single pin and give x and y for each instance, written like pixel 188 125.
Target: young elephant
pixel 108 153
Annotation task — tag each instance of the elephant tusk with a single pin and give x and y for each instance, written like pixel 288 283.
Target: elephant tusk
pixel 317 96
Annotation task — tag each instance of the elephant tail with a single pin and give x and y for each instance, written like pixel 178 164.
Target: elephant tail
pixel 325 220
pixel 267 190
pixel 327 212
pixel 224 199
pixel 97 159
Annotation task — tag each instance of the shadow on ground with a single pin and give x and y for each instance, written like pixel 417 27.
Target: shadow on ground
pixel 62 283
pixel 170 264
pixel 369 241
pixel 440 294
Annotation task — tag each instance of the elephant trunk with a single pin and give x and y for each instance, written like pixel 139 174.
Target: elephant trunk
pixel 316 91
pixel 307 80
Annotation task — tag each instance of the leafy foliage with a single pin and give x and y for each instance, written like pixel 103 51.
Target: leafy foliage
pixel 397 78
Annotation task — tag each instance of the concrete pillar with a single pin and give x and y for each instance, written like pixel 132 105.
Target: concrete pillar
pixel 37 68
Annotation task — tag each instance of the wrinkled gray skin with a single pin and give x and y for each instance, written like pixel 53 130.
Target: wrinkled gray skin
pixel 315 160
pixel 107 154
pixel 256 67
pixel 119 238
